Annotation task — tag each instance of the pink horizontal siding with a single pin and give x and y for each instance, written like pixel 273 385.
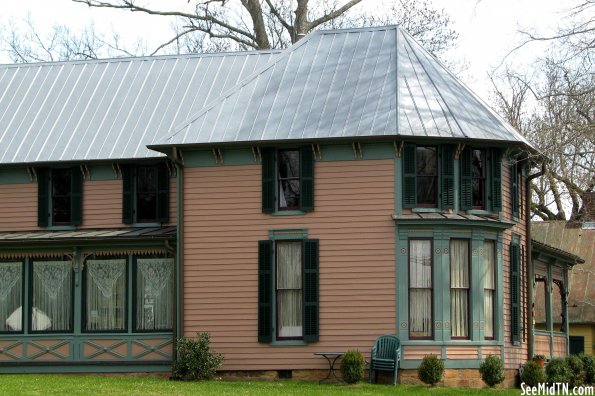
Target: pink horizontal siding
pixel 18 207
pixel 352 220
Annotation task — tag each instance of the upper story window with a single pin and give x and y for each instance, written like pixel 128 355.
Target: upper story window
pixel 287 180
pixel 478 178
pixel 427 176
pixel 59 196
pixel 145 194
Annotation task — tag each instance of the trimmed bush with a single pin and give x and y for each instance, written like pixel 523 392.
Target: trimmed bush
pixel 431 370
pixel 533 374
pixel 557 371
pixel 577 370
pixel 352 366
pixel 195 360
pixel 589 363
pixel 492 371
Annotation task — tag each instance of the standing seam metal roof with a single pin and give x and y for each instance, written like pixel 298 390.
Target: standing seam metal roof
pixel 346 83
pixel 108 109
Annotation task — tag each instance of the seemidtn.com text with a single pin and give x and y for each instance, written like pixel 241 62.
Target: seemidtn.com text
pixel 557 388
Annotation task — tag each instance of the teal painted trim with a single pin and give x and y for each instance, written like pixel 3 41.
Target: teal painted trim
pixel 57 246
pixel 57 368
pixel 102 172
pixel 337 152
pixel 398 186
pixel 288 234
pixel 231 157
pixel 14 176
pixel 452 223
pixel 179 330
pixel 288 213
pixel 145 225
pixel 78 293
pixel 402 286
pixel 476 288
pixel 293 343
pixel 499 311
pixel 452 343
pixel 479 212
pixel 426 210
pixel 60 228
pixel 442 293
pixel 376 151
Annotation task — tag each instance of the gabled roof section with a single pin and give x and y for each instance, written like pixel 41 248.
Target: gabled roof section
pixel 369 82
pixel 108 109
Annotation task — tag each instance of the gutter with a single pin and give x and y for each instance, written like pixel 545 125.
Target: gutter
pixel 530 338
pixel 178 274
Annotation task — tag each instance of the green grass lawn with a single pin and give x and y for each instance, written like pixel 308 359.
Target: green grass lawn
pixel 45 384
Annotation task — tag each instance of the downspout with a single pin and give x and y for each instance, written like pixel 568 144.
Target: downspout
pixel 531 275
pixel 178 269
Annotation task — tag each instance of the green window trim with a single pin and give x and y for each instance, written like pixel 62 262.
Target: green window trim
pixel 129 183
pixel 269 180
pixel 266 289
pixel 44 197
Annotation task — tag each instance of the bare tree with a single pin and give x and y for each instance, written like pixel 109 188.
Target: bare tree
pixel 255 24
pixel 24 43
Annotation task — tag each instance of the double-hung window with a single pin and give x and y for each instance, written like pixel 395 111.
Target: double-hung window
pixel 420 289
pixel 287 180
pixel 489 287
pixel 105 294
pixel 480 179
pixel 428 176
pixel 145 194
pixel 459 288
pixel 59 196
pixel 288 290
pixel 52 296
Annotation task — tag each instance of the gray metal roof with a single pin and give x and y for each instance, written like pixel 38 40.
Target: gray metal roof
pixel 369 82
pixel 108 109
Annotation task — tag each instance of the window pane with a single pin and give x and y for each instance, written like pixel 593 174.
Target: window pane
pixel 459 284
pixel 489 284
pixel 154 294
pixel 426 190
pixel 420 313
pixel 427 172
pixel 478 178
pixel 289 164
pixel 52 296
pixel 146 194
pixel 11 299
pixel 420 284
pixel 289 289
pixel 488 313
pixel 106 294
pixel 289 194
pixel 61 196
pixel 427 164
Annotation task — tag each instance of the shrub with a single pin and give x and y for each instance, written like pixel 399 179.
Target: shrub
pixel 577 370
pixel 352 366
pixel 195 360
pixel 533 374
pixel 557 371
pixel 589 364
pixel 431 370
pixel 492 371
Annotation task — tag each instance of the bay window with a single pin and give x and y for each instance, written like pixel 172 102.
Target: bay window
pixel 420 288
pixel 52 296
pixel 105 295
pixel 154 299
pixel 459 288
pixel 489 288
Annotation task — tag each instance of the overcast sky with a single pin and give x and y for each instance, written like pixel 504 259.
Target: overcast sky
pixel 487 28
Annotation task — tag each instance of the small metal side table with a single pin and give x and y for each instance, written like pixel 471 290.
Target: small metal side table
pixel 331 358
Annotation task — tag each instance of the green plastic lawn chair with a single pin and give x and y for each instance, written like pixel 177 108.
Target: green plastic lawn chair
pixel 385 356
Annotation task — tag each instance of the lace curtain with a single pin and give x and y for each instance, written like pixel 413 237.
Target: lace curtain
pixel 52 295
pixel 11 287
pixel 289 289
pixel 459 287
pixel 154 294
pixel 420 288
pixel 489 285
pixel 106 294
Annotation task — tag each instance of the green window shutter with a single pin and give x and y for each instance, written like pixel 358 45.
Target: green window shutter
pixel 43 192
pixel 514 189
pixel 409 179
pixel 310 280
pixel 268 180
pixel 265 290
pixel 306 179
pixel 76 196
pixel 447 177
pixel 496 157
pixel 466 188
pixel 127 194
pixel 515 290
pixel 162 193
